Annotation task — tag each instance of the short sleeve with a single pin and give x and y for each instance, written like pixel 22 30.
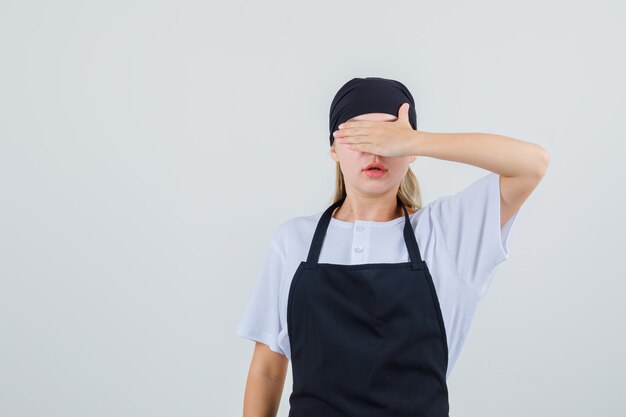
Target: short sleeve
pixel 261 319
pixel 470 223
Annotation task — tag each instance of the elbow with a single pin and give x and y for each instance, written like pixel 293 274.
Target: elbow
pixel 542 161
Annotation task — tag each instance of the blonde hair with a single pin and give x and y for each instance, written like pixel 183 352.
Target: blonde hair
pixel 408 193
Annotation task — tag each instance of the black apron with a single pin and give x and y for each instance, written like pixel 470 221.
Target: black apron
pixel 367 340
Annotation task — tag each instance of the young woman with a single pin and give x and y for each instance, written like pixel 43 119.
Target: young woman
pixel 371 299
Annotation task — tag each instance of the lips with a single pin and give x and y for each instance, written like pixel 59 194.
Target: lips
pixel 375 170
pixel 375 166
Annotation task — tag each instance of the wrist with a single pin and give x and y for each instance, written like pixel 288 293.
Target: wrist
pixel 418 142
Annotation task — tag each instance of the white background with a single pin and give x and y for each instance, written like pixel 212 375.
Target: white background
pixel 148 149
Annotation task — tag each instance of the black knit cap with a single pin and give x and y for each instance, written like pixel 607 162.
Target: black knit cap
pixel 369 95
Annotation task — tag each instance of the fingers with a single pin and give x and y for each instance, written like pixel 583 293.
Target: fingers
pixel 359 123
pixel 349 132
pixel 349 141
pixel 361 147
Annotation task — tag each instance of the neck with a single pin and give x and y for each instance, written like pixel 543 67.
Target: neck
pixel 377 209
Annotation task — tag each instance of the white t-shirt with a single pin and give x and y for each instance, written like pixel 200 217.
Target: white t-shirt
pixel 459 237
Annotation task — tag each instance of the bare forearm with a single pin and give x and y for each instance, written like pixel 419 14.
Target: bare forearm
pixel 263 394
pixel 504 155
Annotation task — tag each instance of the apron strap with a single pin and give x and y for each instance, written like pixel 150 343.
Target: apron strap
pixel 324 221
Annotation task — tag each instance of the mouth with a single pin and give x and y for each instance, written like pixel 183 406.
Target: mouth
pixel 375 167
pixel 375 170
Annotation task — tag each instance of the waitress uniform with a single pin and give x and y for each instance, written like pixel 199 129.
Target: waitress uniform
pixel 383 324
pixel 364 332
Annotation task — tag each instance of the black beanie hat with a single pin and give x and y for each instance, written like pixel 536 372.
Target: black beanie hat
pixel 369 95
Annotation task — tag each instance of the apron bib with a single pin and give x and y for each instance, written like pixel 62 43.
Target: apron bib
pixel 367 340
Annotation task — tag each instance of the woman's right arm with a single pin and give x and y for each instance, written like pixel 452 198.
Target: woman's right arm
pixel 266 379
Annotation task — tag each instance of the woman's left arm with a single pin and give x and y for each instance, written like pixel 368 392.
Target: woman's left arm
pixel 521 164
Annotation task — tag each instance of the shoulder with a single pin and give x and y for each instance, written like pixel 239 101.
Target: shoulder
pixel 472 201
pixel 478 188
pixel 296 229
pixel 422 218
